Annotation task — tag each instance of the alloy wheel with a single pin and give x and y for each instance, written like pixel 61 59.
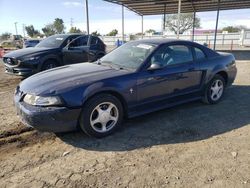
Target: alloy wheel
pixel 216 90
pixel 104 117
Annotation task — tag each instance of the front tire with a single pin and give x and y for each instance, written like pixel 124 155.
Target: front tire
pixel 101 115
pixel 49 64
pixel 215 90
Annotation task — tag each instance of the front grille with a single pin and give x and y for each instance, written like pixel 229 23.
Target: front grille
pixel 10 61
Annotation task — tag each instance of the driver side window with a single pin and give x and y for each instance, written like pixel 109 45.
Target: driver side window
pixel 172 55
pixel 78 42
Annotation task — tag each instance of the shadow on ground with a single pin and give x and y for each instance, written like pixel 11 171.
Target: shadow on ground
pixel 185 123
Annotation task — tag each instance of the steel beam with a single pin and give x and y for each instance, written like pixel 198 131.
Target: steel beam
pixel 216 26
pixel 123 37
pixel 142 27
pixel 194 17
pixel 178 22
pixel 87 14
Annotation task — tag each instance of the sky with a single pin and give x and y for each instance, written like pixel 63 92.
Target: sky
pixel 104 16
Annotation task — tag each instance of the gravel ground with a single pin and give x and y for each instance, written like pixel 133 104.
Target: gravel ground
pixel 193 145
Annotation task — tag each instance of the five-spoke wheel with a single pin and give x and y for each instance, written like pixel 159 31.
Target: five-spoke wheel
pixel 214 90
pixel 101 115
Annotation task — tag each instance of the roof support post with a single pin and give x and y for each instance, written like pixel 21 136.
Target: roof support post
pixel 87 14
pixel 194 18
pixel 178 22
pixel 216 26
pixel 142 25
pixel 164 19
pixel 123 37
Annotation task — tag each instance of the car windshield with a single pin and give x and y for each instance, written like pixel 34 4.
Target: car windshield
pixel 52 42
pixel 129 56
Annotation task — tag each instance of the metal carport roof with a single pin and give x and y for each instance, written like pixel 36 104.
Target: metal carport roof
pixel 156 7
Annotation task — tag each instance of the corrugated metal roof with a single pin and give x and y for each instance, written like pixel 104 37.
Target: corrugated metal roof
pixel 156 7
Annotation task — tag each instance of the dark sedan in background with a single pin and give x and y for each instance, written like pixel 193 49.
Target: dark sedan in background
pixel 136 78
pixel 54 51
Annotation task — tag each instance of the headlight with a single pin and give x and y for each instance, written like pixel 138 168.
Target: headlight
pixel 41 101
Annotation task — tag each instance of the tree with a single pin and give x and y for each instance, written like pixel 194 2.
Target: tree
pixel 31 31
pixel 234 29
pixel 74 30
pixel 95 33
pixel 150 31
pixel 49 30
pixel 114 32
pixel 5 36
pixel 186 22
pixel 59 26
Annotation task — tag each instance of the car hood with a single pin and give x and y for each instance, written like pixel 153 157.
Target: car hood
pixel 63 79
pixel 27 51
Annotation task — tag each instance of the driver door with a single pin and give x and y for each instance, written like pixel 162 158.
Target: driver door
pixel 178 74
pixel 76 51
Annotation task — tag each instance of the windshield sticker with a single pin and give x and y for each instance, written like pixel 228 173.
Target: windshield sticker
pixel 145 46
pixel 59 38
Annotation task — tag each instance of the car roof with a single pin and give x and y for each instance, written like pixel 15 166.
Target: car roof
pixel 162 41
pixel 69 34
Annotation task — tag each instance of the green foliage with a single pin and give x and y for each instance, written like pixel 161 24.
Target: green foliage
pixel 114 32
pixel 95 33
pixel 150 31
pixel 57 27
pixel 31 31
pixel 49 30
pixel 5 36
pixel 186 22
pixel 74 30
pixel 234 29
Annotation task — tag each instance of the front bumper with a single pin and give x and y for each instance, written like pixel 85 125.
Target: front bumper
pixel 52 119
pixel 18 71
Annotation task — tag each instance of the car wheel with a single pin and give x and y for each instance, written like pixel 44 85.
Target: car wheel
pixel 214 90
pixel 49 65
pixel 101 115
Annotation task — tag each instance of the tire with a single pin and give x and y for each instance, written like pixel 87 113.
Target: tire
pixel 49 64
pixel 96 125
pixel 214 91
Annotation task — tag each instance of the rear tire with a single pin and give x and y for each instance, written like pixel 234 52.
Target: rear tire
pixel 214 90
pixel 49 64
pixel 101 115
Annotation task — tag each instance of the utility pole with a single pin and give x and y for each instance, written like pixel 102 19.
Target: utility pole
pixel 71 22
pixel 16 27
pixel 23 30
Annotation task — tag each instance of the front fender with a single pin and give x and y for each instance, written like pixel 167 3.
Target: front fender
pixel 100 87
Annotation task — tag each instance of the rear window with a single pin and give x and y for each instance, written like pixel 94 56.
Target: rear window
pixel 199 54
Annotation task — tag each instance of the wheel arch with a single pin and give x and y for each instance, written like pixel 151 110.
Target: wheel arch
pixel 44 60
pixel 224 75
pixel 116 94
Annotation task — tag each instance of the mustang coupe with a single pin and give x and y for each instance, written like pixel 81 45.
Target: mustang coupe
pixel 134 79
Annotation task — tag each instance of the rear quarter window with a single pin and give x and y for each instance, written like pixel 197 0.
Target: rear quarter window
pixel 199 54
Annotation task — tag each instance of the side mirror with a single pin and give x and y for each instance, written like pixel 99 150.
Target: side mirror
pixel 154 66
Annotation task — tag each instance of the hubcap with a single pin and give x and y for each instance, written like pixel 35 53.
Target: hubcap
pixel 217 90
pixel 104 117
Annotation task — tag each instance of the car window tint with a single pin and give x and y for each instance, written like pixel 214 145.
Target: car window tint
pixel 199 54
pixel 171 55
pixel 79 42
pixel 93 41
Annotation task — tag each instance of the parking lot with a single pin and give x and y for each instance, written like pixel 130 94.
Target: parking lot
pixel 193 145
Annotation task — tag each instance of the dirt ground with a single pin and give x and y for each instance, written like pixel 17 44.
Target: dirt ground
pixel 193 145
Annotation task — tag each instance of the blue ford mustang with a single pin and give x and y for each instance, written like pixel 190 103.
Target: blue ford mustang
pixel 136 78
